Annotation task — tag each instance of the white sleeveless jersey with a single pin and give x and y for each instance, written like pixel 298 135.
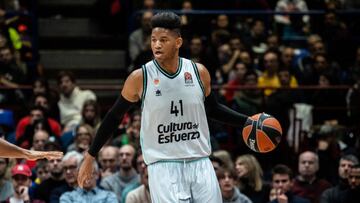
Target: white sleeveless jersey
pixel 173 119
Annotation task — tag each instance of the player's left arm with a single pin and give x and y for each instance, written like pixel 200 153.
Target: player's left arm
pixel 215 110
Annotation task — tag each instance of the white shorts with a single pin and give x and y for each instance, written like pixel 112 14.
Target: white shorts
pixel 184 182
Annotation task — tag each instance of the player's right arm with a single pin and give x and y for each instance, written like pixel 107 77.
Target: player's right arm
pixel 130 94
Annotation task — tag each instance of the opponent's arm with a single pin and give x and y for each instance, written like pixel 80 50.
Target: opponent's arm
pixel 215 110
pixel 129 96
pixel 8 150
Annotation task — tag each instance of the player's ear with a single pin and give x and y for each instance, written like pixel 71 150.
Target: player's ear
pixel 179 42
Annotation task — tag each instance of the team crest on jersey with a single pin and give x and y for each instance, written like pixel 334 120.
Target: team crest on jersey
pixel 156 81
pixel 188 78
pixel 158 92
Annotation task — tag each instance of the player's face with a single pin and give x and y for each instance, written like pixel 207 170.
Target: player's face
pixel 164 43
pixel 344 168
pixel 281 183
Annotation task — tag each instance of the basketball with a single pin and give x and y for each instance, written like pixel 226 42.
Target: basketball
pixel 262 132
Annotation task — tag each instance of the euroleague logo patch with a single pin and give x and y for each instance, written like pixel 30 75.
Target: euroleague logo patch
pixel 188 79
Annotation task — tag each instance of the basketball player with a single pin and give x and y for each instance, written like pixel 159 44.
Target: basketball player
pixel 8 150
pixel 176 98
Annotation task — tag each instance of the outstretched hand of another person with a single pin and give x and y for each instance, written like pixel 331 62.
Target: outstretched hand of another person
pixel 86 170
pixel 34 155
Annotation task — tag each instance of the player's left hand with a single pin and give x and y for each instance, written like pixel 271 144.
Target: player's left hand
pixel 34 155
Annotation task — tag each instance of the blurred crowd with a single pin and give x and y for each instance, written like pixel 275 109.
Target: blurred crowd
pixel 316 161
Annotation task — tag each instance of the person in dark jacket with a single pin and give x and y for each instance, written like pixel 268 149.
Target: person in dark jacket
pixel 281 186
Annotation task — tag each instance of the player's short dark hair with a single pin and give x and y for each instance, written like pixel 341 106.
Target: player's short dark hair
pixel 283 170
pixel 167 20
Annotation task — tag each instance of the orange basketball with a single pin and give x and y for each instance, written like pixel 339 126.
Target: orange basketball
pixel 262 132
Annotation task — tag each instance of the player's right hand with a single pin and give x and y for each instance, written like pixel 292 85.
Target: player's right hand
pixel 86 170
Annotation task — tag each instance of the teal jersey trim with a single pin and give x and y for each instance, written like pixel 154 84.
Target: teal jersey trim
pixel 144 85
pixel 169 75
pixel 198 77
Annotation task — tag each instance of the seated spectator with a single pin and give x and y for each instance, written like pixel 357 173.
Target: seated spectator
pixel 230 193
pixel 71 163
pixel 270 78
pixel 83 138
pixel 127 174
pixel 237 80
pixel 353 194
pixel 41 87
pixel 55 180
pixel 11 75
pixel 89 192
pixel 249 174
pixel 306 184
pixel 282 184
pixel 141 194
pixel 26 126
pixel 6 187
pixel 42 173
pixel 225 157
pixel 337 193
pixel 72 100
pixel 91 114
pixel 21 181
pixel 108 159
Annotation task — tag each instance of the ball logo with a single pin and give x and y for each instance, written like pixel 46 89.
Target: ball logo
pixel 188 78
pixel 252 144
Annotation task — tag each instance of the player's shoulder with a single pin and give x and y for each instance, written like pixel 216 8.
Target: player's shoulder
pixel 136 74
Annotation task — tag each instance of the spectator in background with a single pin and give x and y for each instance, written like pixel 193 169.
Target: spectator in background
pixel 55 180
pixel 11 75
pixel 71 162
pixel 140 38
pixel 282 182
pixel 306 184
pixel 269 77
pixel 89 192
pixel 41 87
pixel 353 194
pixel 249 174
pixel 91 114
pixel 353 74
pixel 125 176
pixel 292 25
pixel 239 72
pixel 39 140
pixel 83 138
pixel 256 37
pixel 72 100
pixel 5 185
pixel 225 158
pixel 26 126
pixel 248 101
pixel 109 162
pixel 337 193
pixel 230 193
pixel 141 194
pixel 42 173
pixel 21 181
